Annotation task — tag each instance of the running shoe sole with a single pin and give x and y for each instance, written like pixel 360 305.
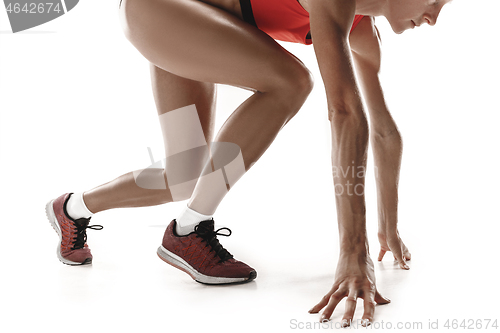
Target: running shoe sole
pixel 51 216
pixel 178 262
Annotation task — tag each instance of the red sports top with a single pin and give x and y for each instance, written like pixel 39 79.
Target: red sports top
pixel 285 20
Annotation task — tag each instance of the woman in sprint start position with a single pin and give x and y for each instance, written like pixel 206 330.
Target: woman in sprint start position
pixel 194 44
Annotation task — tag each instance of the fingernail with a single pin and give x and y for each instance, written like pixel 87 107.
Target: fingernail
pixel 366 323
pixel 406 266
pixel 345 323
pixel 310 311
pixel 323 319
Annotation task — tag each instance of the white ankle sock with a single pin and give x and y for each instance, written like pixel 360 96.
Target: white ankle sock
pixel 76 207
pixel 188 219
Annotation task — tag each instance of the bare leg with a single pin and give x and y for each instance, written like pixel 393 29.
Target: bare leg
pixel 208 45
pixel 214 46
pixel 170 92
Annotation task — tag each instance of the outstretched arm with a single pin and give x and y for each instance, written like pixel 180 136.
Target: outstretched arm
pixel 330 24
pixel 384 136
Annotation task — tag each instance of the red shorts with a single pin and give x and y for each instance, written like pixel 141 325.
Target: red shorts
pixel 284 20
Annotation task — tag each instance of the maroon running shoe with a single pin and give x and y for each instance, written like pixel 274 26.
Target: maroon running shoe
pixel 72 248
pixel 202 256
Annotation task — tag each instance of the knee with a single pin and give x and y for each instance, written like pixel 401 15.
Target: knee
pixel 299 83
pixel 293 85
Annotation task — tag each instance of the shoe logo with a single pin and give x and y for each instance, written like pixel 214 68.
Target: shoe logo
pixel 26 14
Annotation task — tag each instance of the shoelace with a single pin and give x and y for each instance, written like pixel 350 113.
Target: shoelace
pixel 206 231
pixel 81 232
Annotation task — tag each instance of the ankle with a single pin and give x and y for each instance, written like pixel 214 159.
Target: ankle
pixel 188 220
pixel 76 207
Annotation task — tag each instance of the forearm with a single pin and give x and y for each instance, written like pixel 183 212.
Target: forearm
pixel 349 154
pixel 387 151
pixel 384 136
pixel 330 24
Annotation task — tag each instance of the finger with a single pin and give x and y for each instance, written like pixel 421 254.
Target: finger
pixel 332 304
pixel 398 256
pixel 381 254
pixel 321 304
pixel 379 299
pixel 324 301
pixel 350 307
pixel 406 253
pixel 369 307
pixel 402 264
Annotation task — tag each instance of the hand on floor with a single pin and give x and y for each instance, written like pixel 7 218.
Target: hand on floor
pixel 391 241
pixel 354 279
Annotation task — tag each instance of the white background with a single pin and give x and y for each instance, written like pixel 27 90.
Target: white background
pixel 77 110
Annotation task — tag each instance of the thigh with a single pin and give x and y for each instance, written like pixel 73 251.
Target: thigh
pixel 194 40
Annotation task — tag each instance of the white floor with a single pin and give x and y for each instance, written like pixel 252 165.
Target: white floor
pixel 76 110
pixel 452 276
